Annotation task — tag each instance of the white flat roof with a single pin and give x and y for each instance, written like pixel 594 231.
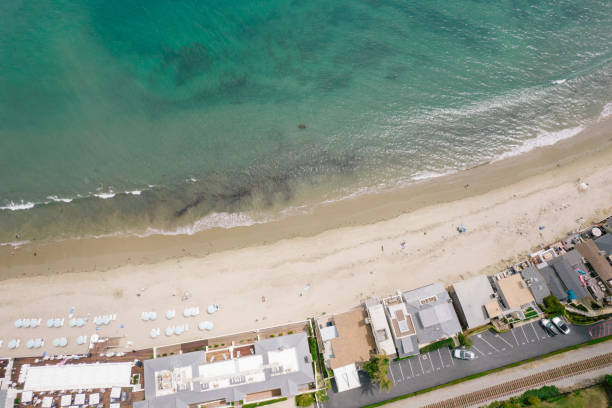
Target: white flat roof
pixel 378 321
pixel 77 376
pixel 473 294
pixel 346 377
pixel 287 359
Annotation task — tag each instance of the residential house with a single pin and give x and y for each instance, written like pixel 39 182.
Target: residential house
pixel 470 297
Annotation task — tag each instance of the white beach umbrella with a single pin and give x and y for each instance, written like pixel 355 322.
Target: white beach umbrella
pixel 106 320
pixel 63 342
pixel 34 322
pixel 30 343
pixel 169 331
pixel 144 316
pixel 187 312
pixel 170 314
pixel 12 344
pixel 18 323
pixel 50 322
pixel 72 322
pixel 26 323
pixel 196 311
pixel 153 333
pixel 178 330
pixel 80 340
pixel 55 342
pixel 38 343
pixel 207 325
pixel 80 322
pixel 94 338
pixel 212 309
pixel 152 316
pixel 58 323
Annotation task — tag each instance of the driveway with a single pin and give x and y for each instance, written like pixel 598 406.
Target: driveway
pixel 438 367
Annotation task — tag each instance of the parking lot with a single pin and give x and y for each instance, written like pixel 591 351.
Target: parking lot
pixel 492 350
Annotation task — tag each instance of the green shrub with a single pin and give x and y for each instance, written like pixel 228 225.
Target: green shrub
pixel 533 401
pixel 608 382
pixel 437 345
pixel 377 368
pixel 545 393
pixel 312 344
pixel 465 341
pixel 552 305
pixel 304 400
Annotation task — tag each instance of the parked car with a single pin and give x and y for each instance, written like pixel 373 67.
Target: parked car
pixel 463 354
pixel 549 327
pixel 560 325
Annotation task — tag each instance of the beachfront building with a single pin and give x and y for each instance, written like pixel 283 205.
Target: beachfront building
pixel 380 327
pixel 470 297
pixel 402 326
pixel 346 343
pixel 536 283
pixel 563 276
pixel 434 316
pixel 598 258
pixel 266 369
pixel 76 376
pixel 518 302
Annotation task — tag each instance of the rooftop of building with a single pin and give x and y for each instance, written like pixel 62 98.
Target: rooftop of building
pixel 380 327
pixel 473 294
pixel 514 291
pixel 281 363
pixel 354 343
pixel 594 256
pixel 566 267
pixel 435 317
pixel 604 243
pixel 536 282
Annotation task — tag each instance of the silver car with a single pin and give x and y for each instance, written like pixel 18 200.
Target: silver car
pixel 463 354
pixel 560 325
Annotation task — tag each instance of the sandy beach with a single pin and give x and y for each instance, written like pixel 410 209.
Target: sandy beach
pixel 343 251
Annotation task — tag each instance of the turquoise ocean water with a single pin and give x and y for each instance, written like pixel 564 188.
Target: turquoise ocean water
pixel 149 116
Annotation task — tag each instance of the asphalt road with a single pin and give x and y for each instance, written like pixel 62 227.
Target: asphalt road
pixel 438 367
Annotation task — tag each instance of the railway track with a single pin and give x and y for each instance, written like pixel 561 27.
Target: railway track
pixel 528 382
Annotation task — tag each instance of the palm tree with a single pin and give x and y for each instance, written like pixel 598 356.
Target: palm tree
pixel 377 369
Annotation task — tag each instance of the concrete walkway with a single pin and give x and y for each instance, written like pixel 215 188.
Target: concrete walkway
pixel 515 374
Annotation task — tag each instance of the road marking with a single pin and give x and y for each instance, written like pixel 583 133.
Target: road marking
pixel 490 345
pixel 440 355
pixel 476 348
pixel 411 371
pixel 524 334
pixel 514 335
pixel 420 362
pixel 504 340
pixel 431 362
pixel 391 371
pixel 451 356
pixel 534 331
pixel 401 372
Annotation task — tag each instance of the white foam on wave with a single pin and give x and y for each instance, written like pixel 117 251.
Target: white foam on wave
pixel 15 244
pixel 606 111
pixel 426 174
pixel 559 81
pixel 60 199
pixel 134 192
pixel 214 220
pixel 23 205
pixel 105 195
pixel 544 138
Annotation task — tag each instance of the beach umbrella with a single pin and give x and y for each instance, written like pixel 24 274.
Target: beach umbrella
pixel 178 330
pixel 196 311
pixel 72 322
pixel 187 312
pixel 18 323
pixel 58 323
pixel 56 342
pixel 170 314
pixel 169 331
pixel 50 322
pixel 205 325
pixel 144 316
pixel 35 323
pixel 12 344
pixel 106 320
pixel 153 333
pixel 30 343
pixel 63 342
pixel 80 322
pixel 26 323
pixel 80 340
pixel 38 343
pixel 152 316
pixel 212 309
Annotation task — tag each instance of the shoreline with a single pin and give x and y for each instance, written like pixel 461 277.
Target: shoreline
pixel 298 274
pixel 91 254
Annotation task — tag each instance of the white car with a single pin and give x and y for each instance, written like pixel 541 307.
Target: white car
pixel 560 325
pixel 463 354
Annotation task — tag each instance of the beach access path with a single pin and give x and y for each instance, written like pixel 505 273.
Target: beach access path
pixel 492 351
